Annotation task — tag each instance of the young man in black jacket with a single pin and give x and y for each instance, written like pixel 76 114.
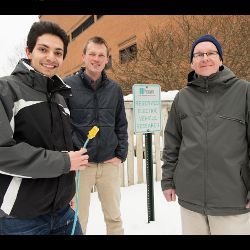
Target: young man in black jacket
pixel 37 163
pixel 98 101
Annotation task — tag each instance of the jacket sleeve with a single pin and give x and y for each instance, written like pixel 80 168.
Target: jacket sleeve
pixel 121 129
pixel 246 171
pixel 22 159
pixel 172 142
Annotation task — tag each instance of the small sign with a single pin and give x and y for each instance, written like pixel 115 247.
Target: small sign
pixel 147 108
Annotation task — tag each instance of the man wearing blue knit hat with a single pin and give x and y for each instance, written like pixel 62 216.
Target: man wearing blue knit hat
pixel 206 146
pixel 207 38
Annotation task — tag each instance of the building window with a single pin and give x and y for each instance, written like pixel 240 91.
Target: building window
pixel 76 32
pixel 82 27
pixel 128 54
pixel 109 64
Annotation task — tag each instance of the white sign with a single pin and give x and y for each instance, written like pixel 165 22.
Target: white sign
pixel 147 108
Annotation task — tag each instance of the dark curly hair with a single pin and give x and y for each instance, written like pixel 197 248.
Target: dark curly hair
pixel 45 27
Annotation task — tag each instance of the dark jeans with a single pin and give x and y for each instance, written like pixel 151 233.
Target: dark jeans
pixel 58 223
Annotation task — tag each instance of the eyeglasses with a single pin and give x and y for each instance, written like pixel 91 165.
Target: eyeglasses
pixel 209 54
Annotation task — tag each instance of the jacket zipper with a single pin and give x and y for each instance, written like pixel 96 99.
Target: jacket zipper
pixel 97 123
pixel 206 147
pixel 49 98
pixel 232 119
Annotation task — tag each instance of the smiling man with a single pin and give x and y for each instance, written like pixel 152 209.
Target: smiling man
pixel 206 146
pixel 48 54
pixel 37 161
pixel 98 101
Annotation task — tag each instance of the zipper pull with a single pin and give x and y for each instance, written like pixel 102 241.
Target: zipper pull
pixel 206 85
pixel 49 96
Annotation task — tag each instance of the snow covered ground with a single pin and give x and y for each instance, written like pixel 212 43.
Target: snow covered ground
pixel 135 215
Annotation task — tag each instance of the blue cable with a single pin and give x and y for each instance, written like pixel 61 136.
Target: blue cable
pixel 77 193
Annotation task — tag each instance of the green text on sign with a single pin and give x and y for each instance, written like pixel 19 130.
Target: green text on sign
pixel 147 108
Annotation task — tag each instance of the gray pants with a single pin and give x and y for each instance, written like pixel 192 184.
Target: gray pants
pixel 199 224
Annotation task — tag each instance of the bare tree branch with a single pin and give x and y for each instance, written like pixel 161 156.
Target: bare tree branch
pixel 18 53
pixel 164 55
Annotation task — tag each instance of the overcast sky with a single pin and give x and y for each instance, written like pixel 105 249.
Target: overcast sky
pixel 14 31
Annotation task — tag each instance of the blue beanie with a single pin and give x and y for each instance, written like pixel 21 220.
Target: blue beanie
pixel 206 38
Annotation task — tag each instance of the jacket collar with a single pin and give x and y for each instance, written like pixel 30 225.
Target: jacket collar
pixel 40 82
pixel 101 81
pixel 222 78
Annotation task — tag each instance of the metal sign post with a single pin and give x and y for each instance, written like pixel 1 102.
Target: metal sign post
pixel 149 176
pixel 147 120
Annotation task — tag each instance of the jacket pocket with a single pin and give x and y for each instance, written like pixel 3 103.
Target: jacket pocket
pixel 232 119
pixel 184 116
pixel 175 173
pixel 245 179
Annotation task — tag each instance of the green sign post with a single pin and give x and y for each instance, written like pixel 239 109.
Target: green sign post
pixel 147 120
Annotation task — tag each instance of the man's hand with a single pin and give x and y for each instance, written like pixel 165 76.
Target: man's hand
pixel 170 194
pixel 78 161
pixel 248 204
pixel 115 161
pixel 72 203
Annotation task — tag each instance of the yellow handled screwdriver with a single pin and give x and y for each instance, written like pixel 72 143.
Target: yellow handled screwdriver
pixel 92 133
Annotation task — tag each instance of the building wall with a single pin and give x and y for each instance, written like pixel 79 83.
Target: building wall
pixel 120 31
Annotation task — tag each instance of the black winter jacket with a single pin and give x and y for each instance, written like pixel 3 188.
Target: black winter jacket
pixel 34 128
pixel 206 152
pixel 104 108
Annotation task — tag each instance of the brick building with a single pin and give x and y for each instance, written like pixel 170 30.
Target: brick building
pixel 122 32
